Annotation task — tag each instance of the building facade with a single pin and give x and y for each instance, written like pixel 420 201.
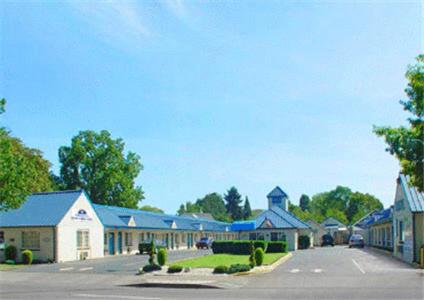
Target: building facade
pixel 274 224
pixel 337 230
pixel 408 221
pixel 65 226
pixel 317 231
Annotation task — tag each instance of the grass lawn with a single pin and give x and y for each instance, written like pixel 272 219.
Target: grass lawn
pixel 211 261
pixel 6 267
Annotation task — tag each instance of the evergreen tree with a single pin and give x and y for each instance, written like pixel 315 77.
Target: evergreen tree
pixel 233 199
pixel 247 211
pixel 304 202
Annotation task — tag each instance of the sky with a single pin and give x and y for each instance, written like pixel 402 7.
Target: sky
pixel 214 94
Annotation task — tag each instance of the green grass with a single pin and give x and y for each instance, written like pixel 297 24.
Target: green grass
pixel 211 261
pixel 6 267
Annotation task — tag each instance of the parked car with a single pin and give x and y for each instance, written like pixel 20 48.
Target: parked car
pixel 356 240
pixel 204 243
pixel 327 240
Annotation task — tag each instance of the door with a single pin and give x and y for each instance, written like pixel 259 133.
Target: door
pixel 111 243
pixel 274 236
pixel 119 242
pixel 172 241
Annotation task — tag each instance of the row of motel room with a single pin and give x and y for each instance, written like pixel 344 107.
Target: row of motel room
pixel 66 225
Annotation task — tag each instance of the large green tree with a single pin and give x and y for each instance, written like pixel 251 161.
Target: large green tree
pixel 151 209
pixel 23 170
pixel 96 163
pixel 213 204
pixel 189 207
pixel 247 211
pixel 304 202
pixel 407 143
pixel 233 199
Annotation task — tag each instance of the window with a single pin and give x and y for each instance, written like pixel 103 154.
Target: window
pixel 83 239
pixel 141 237
pixel 252 236
pixel 128 239
pixel 31 240
pixel 401 232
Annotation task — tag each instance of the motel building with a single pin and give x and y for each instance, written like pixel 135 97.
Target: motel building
pixel 66 226
pixel 274 224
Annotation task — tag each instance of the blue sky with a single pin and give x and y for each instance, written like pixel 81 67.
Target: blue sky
pixel 213 94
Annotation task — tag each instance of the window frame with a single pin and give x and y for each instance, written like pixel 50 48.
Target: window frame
pixel 85 239
pixel 32 246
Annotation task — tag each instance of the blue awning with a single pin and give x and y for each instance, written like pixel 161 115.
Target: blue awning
pixel 243 226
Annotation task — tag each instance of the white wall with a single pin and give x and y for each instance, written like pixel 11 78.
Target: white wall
pixel 67 232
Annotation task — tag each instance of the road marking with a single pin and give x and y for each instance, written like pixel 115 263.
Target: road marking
pixel 114 296
pixel 317 270
pixel 86 269
pixel 358 266
pixel 294 271
pixel 66 269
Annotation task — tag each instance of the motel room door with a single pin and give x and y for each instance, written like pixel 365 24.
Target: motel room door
pixel 119 242
pixel 111 243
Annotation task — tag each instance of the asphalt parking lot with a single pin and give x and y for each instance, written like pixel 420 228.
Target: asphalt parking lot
pixel 123 264
pixel 321 273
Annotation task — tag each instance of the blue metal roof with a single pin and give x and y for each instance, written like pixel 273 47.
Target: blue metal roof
pixel 112 217
pixel 277 192
pixel 414 197
pixel 278 217
pixel 40 209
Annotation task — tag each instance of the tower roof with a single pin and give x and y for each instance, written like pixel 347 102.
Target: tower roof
pixel 277 192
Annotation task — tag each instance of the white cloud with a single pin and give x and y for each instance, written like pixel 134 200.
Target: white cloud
pixel 115 21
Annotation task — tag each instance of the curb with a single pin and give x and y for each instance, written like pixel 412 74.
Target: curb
pixel 266 269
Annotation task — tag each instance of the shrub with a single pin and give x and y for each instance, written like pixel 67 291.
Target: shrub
pixel 276 247
pixel 10 252
pixel 162 256
pixel 151 268
pixel 259 256
pixel 238 268
pixel 152 252
pixel 222 247
pixel 304 242
pixel 220 269
pixel 241 247
pixel 175 269
pixel 252 260
pixel 10 262
pixel 27 257
pixel 261 244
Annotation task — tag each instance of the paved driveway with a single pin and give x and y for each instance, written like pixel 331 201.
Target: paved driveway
pixel 322 273
pixel 124 264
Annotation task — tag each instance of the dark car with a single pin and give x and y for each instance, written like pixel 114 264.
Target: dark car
pixel 327 240
pixel 356 240
pixel 204 243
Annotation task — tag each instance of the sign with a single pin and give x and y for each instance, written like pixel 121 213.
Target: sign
pixel 82 215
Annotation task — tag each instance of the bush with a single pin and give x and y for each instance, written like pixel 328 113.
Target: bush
pixel 175 269
pixel 220 269
pixel 10 252
pixel 27 257
pixel 222 247
pixel 162 256
pixel 151 268
pixel 259 256
pixel 304 242
pixel 10 262
pixel 152 252
pixel 241 247
pixel 238 268
pixel 261 244
pixel 276 247
pixel 252 260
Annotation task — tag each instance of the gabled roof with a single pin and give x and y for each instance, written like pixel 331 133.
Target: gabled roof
pixel 41 209
pixel 331 221
pixel 414 197
pixel 277 192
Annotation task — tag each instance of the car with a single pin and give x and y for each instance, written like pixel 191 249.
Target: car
pixel 356 240
pixel 327 240
pixel 204 243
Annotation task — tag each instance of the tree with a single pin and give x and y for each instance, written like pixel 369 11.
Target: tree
pixel 256 212
pixel 213 204
pixel 23 171
pixel 407 143
pixel 336 214
pixel 189 207
pixel 304 202
pixel 233 199
pixel 247 211
pixel 2 105
pixel 361 204
pixel 96 163
pixel 151 209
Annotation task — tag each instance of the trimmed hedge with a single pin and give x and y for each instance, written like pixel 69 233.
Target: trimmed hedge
pixel 162 257
pixel 240 247
pixel 304 242
pixel 261 244
pixel 259 256
pixel 175 269
pixel 238 268
pixel 220 269
pixel 10 253
pixel 276 247
pixel 219 247
pixel 27 257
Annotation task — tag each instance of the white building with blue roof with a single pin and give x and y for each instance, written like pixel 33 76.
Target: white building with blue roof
pixel 65 226
pixel 408 221
pixel 274 224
